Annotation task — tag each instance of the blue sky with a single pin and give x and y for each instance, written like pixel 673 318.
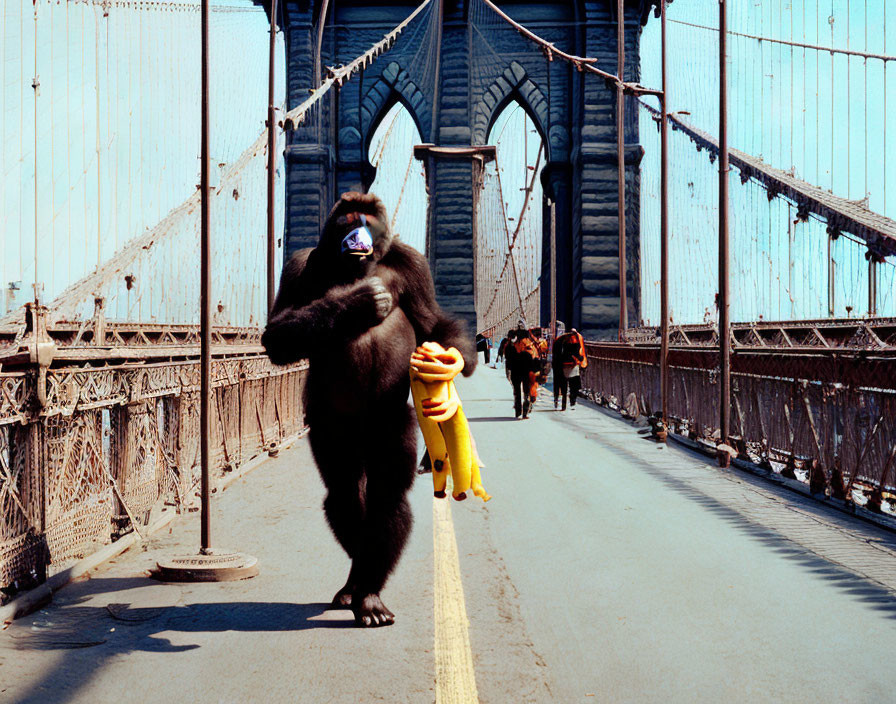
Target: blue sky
pixel 781 109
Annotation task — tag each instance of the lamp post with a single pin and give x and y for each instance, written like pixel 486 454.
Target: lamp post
pixel 620 165
pixel 724 455
pixel 210 565
pixel 664 232
pixel 272 159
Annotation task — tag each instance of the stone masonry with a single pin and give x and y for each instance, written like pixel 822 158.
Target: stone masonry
pixel 454 89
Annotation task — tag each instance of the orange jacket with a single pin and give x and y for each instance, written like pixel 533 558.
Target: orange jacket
pixel 527 345
pixel 578 358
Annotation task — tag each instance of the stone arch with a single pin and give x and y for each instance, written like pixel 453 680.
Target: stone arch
pixel 393 85
pixel 515 84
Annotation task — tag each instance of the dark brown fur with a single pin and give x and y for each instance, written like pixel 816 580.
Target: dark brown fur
pixel 357 320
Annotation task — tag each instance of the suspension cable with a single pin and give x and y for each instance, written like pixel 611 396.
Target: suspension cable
pixel 511 240
pixel 582 63
pixel 343 74
pixel 798 45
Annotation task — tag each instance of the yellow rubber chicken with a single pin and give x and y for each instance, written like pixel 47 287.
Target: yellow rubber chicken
pixel 446 431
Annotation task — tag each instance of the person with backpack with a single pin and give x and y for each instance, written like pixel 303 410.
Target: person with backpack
pixel 484 345
pixel 544 348
pixel 524 364
pixel 568 361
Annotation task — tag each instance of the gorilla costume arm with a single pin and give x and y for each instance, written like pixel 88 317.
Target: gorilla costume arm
pixel 300 323
pixel 328 298
pixel 418 301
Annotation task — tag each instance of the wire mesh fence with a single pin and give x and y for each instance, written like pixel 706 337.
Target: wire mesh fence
pixel 115 445
pixel 818 416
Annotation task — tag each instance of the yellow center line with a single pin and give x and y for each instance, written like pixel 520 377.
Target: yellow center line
pixel 455 679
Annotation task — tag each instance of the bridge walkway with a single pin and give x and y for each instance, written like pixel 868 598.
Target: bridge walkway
pixel 606 568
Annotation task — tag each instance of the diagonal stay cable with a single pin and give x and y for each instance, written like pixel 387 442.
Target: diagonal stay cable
pixel 511 241
pixel 385 142
pixel 343 74
pixel 404 183
pixel 798 45
pixel 582 63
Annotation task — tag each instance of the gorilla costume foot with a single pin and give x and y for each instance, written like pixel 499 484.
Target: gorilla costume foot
pixel 371 611
pixel 343 598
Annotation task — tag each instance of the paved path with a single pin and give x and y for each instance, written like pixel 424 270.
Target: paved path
pixel 606 568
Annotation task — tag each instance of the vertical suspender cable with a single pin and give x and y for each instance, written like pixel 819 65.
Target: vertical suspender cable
pixel 35 85
pixel 724 321
pixel 205 296
pixel 664 226
pixel 872 284
pixel 272 158
pixel 437 75
pixel 430 164
pixel 321 21
pixel 620 164
pixel 831 300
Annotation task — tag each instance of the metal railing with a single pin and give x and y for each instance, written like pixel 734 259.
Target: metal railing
pixel 95 445
pixel 812 402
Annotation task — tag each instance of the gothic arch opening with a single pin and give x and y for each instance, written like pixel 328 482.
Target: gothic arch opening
pixel 400 180
pixel 510 220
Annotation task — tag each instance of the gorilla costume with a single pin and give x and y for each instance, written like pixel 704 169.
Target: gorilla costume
pixel 356 306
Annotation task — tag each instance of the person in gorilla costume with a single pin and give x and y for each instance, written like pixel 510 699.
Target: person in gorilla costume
pixel 357 306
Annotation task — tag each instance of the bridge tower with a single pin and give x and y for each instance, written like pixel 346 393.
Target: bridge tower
pixel 454 82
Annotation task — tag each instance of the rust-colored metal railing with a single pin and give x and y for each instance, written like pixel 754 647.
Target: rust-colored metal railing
pixel 98 440
pixel 112 400
pixel 812 401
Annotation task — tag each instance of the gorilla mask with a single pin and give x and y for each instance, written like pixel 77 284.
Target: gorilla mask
pixel 359 241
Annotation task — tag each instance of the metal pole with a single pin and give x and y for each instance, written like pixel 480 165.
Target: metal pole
pixel 272 158
pixel 830 274
pixel 553 271
pixel 321 21
pixel 205 364
pixel 872 285
pixel 664 229
pixel 620 164
pixel 35 86
pixel 724 279
pixel 210 565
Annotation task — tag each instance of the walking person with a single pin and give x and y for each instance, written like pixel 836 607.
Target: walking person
pixel 543 348
pixel 568 361
pixel 484 345
pixel 502 347
pixel 523 364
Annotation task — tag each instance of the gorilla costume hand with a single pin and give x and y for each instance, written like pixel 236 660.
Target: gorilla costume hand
pixel 357 306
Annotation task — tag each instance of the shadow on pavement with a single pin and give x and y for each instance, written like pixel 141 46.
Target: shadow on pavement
pixel 859 587
pixel 97 633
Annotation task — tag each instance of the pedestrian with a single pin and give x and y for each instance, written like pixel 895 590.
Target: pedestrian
pixel 543 348
pixel 502 347
pixel 568 360
pixel 484 345
pixel 523 364
pixel 509 353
